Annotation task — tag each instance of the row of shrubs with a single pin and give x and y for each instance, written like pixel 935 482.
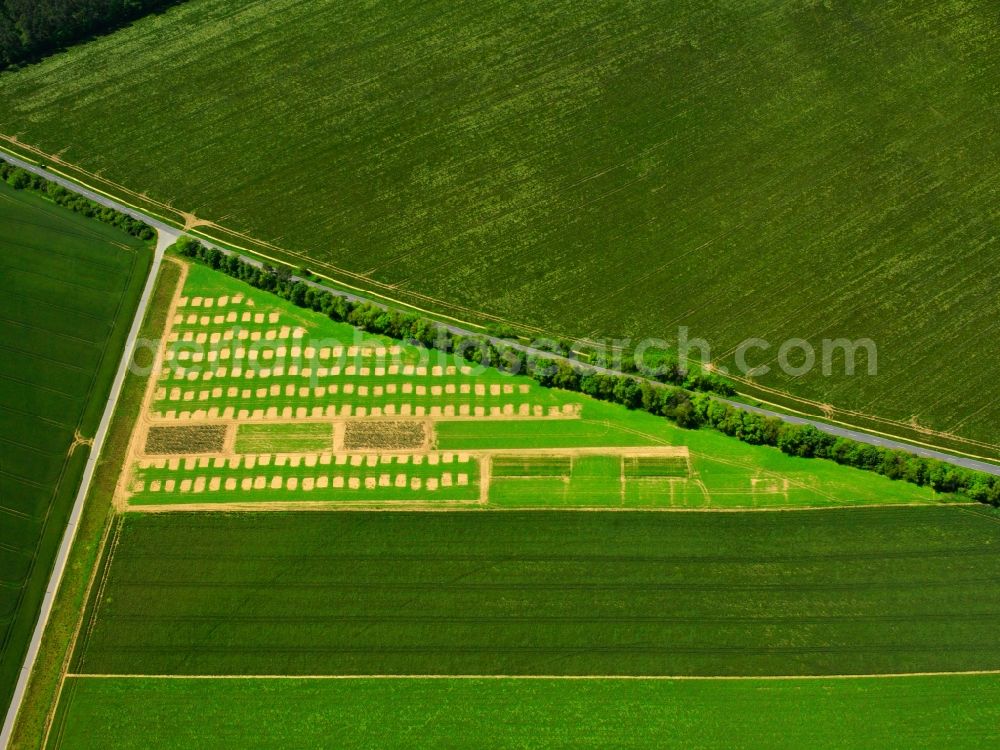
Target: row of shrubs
pixel 654 364
pixel 675 402
pixel 21 179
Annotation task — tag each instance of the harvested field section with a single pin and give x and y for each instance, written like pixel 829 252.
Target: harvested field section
pixel 386 436
pixel 838 592
pixel 185 439
pixel 319 477
pixel 242 354
pixel 300 437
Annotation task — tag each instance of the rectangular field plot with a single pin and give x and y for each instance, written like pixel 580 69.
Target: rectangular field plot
pixel 531 466
pixel 384 435
pixel 954 711
pixel 580 477
pixel 302 437
pixel 639 467
pixel 183 439
pixel 317 477
pixel 851 591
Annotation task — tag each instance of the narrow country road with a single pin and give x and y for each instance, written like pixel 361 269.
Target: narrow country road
pixel 858 435
pixel 166 236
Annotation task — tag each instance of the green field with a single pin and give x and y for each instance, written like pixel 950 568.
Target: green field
pixel 642 467
pixel 848 591
pixel 280 438
pixel 70 287
pixel 589 170
pixel 914 712
pixel 287 374
pixel 517 467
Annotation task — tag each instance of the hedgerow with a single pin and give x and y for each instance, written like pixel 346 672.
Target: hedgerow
pixel 21 179
pixel 676 402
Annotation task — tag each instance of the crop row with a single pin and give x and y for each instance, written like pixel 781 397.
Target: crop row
pixel 570 593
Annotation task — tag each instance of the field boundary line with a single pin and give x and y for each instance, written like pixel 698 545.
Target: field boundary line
pixel 476 506
pixel 62 556
pixel 581 677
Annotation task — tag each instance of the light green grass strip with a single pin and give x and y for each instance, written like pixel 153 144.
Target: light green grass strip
pixel 284 438
pixel 914 712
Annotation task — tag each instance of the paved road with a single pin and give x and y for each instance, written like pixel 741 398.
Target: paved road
pixel 166 237
pixel 860 436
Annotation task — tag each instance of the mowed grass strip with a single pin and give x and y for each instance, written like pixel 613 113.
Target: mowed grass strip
pixel 849 591
pixel 913 712
pixel 725 473
pixel 303 437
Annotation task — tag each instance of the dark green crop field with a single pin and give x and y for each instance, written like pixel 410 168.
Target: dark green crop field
pixel 68 289
pixel 851 591
pixel 912 712
pixel 767 168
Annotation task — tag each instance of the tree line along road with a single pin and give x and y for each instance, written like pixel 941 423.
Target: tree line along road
pixel 164 229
